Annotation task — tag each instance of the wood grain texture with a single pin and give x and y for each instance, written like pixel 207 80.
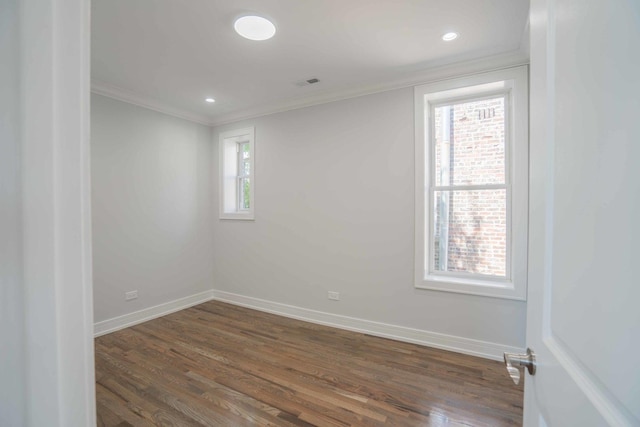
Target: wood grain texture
pixel 217 364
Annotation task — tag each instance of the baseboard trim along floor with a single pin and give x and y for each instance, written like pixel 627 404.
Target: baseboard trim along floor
pixel 484 349
pixel 141 316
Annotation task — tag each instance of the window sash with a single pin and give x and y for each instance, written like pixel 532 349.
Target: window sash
pixel 431 271
pixel 470 187
pixel 452 101
pixel 241 195
pixel 242 176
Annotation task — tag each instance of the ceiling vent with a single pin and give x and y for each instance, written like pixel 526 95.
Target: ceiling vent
pixel 307 82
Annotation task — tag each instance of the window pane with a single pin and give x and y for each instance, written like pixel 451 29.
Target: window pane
pixel 246 167
pixel 470 143
pixel 245 151
pixel 245 193
pixel 470 231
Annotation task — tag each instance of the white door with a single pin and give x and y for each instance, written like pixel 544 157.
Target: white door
pixel 584 261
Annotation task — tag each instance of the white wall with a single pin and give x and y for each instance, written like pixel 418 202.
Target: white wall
pixel 152 207
pixel 335 211
pixel 12 367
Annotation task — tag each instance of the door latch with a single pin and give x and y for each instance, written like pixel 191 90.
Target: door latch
pixel 513 361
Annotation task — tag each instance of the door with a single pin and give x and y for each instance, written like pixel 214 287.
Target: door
pixel 584 260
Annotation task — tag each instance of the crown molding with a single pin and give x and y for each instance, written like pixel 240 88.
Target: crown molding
pixel 427 75
pixel 104 89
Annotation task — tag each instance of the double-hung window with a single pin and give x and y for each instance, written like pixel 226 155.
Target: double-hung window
pixel 471 184
pixel 237 181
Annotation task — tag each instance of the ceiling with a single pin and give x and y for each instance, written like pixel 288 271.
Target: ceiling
pixel 172 54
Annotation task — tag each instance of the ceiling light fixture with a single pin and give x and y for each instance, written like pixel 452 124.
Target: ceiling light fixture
pixel 450 36
pixel 254 27
pixel 210 100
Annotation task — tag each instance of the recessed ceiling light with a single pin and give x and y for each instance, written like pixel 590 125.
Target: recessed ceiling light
pixel 450 36
pixel 254 28
pixel 210 100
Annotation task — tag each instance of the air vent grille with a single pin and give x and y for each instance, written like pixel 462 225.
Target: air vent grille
pixel 307 82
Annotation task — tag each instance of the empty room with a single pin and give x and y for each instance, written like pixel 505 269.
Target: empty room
pixel 320 213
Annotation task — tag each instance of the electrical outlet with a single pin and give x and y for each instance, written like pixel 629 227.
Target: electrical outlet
pixel 128 296
pixel 335 296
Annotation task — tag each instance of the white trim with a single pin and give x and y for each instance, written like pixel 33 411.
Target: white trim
pixel 56 219
pixel 484 349
pixel 431 74
pixel 86 219
pixel 115 324
pixel 134 98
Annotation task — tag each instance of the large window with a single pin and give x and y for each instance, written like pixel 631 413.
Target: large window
pixel 237 181
pixel 471 184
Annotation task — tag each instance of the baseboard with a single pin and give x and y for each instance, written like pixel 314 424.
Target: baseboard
pixel 463 345
pixel 121 322
pixel 484 349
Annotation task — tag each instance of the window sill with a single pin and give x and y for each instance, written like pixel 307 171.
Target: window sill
pixel 503 289
pixel 238 216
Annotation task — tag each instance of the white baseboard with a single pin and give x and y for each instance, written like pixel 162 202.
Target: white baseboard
pixel 121 322
pixel 463 345
pixel 487 350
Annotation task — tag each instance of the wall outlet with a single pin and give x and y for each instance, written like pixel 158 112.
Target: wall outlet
pixel 128 296
pixel 335 296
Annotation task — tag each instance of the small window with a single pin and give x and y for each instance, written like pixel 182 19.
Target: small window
pixel 471 184
pixel 237 181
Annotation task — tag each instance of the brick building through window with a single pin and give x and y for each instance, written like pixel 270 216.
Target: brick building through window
pixel 469 151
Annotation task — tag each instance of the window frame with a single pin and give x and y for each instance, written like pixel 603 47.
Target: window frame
pixel 230 154
pixel 511 83
pixel 433 187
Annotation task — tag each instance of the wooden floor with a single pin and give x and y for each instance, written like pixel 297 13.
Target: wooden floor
pixel 221 365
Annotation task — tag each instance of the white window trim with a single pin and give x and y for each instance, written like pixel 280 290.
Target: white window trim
pixel 227 143
pixel 514 83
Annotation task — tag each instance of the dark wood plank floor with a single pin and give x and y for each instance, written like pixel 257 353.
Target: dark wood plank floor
pixel 216 364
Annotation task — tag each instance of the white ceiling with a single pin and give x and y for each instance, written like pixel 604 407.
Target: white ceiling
pixel 172 54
